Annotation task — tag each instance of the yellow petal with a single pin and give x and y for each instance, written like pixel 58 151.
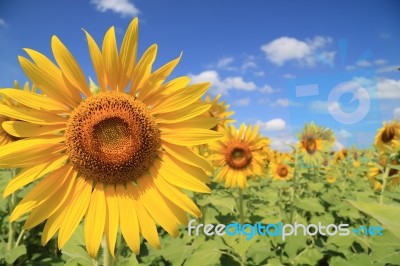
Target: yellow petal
pixel 32 116
pixel 128 53
pixel 153 83
pixel 179 215
pixel 47 207
pixel 190 170
pixel 183 114
pixel 143 69
pixel 33 100
pixel 146 223
pixel 95 220
pixel 42 191
pixel 180 98
pixel 21 129
pixel 156 206
pixel 110 59
pixel 128 219
pixel 112 218
pixel 30 151
pixel 97 61
pixel 195 122
pixel 175 85
pixel 76 209
pixel 53 223
pixel 49 78
pixel 186 155
pixel 190 136
pixel 30 174
pixel 177 196
pixel 69 66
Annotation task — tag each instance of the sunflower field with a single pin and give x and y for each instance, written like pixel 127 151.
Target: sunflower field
pixel 138 169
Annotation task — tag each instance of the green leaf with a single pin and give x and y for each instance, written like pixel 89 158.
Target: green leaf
pixel 12 255
pixel 310 204
pixel 387 215
pixel 74 252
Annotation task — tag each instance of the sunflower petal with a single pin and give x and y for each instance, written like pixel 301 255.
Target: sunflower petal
pixel 69 66
pixel 112 218
pixel 33 100
pixel 76 209
pixel 183 114
pixel 31 174
pixel 97 61
pixel 22 129
pixel 110 59
pixel 128 53
pixel 190 136
pixel 128 219
pixel 95 220
pixel 47 207
pixel 32 116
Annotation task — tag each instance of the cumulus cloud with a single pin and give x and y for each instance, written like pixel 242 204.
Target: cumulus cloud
pixel 219 85
pixel 388 88
pixel 242 102
pixel 282 142
pixel 307 52
pixel 343 133
pixel 396 112
pixel 123 7
pixel 386 69
pixel 267 89
pixel 272 125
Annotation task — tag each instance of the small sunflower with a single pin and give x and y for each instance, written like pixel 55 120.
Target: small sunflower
pixel 219 110
pixel 314 143
pixel 388 137
pixel 239 155
pixel 5 120
pixel 340 155
pixel 280 169
pixel 117 158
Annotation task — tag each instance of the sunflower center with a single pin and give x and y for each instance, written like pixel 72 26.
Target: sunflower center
pixel 388 134
pixel 282 171
pixel 310 145
pixel 239 156
pixel 112 138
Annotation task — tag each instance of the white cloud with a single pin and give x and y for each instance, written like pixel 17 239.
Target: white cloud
pixel 364 63
pixel 259 73
pixel 225 63
pixel 242 102
pixel 2 22
pixel 282 142
pixel 222 86
pixel 387 69
pixel 289 76
pixel 396 112
pixel 248 64
pixel 388 88
pixel 122 7
pixel 337 146
pixel 343 133
pixel 318 106
pixel 272 125
pixel 281 102
pixel 267 89
pixel 380 62
pixel 306 52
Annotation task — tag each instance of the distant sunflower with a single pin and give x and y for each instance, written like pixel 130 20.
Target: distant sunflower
pixel 340 155
pixel 280 170
pixel 5 120
pixel 388 137
pixel 220 111
pixel 239 155
pixel 314 141
pixel 121 156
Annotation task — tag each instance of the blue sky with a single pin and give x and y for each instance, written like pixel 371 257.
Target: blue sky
pixel 278 63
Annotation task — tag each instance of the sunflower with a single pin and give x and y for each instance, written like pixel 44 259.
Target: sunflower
pixel 314 143
pixel 340 155
pixel 239 155
pixel 393 174
pixel 219 110
pixel 6 137
pixel 388 137
pixel 119 158
pixel 280 169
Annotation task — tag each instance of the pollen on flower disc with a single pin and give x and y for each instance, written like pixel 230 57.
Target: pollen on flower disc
pixel 112 138
pixel 238 156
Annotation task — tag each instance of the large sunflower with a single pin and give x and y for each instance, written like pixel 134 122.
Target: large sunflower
pixel 119 158
pixel 239 155
pixel 388 137
pixel 314 142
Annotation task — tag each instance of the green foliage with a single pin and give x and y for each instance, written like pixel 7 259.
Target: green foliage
pixel 308 198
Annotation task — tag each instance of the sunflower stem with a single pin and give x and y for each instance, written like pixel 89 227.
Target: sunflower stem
pixel 240 207
pixel 11 226
pixel 294 187
pixel 108 259
pixel 385 177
